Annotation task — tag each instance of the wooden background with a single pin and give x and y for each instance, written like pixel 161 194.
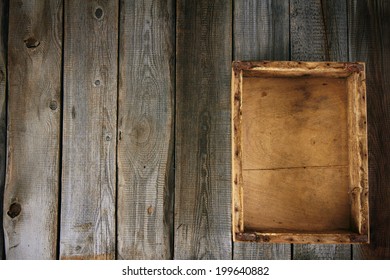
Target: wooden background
pixel 115 121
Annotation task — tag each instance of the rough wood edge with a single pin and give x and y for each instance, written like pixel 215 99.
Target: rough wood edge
pixel 237 198
pixel 358 157
pixel 267 68
pixel 303 238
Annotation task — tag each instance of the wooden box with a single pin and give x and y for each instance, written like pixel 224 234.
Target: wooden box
pixel 299 152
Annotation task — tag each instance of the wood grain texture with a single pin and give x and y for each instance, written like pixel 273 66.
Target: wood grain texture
pixel 3 110
pixel 307 116
pixel 34 105
pixel 203 188
pixel 297 199
pixel 321 252
pixel 89 130
pixel 261 31
pixel 369 26
pixel 319 32
pixel 145 143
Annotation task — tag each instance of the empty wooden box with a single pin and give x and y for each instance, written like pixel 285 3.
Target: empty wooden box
pixel 299 151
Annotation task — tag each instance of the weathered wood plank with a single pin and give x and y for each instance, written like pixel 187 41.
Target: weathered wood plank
pixel 89 130
pixel 34 106
pixel 145 142
pixel 319 32
pixel 261 31
pixel 369 26
pixel 203 187
pixel 3 110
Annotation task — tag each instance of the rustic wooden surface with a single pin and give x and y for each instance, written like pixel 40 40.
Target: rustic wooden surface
pixel 145 143
pixel 369 26
pixel 201 143
pixel 3 110
pixel 32 182
pixel 261 31
pixel 203 188
pixel 319 32
pixel 312 118
pixel 89 132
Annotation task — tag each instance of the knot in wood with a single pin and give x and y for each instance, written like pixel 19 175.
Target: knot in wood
pixel 53 105
pixel 32 43
pixel 99 13
pixel 14 210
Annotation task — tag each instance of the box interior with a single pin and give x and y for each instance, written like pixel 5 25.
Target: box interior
pixel 295 154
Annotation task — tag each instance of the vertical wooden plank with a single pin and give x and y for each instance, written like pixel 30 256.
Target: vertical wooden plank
pixel 319 32
pixel 261 32
pixel 89 133
pixel 3 111
pixel 203 159
pixel 369 41
pixel 145 129
pixel 34 106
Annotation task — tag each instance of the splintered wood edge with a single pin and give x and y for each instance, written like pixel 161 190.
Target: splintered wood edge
pixel 303 238
pixel 297 68
pixel 358 147
pixel 358 151
pixel 237 198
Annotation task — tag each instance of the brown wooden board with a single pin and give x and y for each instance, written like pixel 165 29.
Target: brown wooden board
pixel 319 32
pixel 369 26
pixel 34 106
pixel 89 130
pixel 261 31
pixel 299 152
pixel 202 196
pixel 3 110
pixel 145 141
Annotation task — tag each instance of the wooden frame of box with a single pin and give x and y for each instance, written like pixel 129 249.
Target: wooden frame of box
pixel 299 152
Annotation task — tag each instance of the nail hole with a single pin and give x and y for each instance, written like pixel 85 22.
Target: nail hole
pixel 14 210
pixel 31 43
pixel 97 83
pixel 53 105
pixel 98 13
pixel 108 138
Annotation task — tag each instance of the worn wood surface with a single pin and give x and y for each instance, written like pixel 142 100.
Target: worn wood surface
pixel 369 25
pixel 89 132
pixel 201 142
pixel 261 31
pixel 271 203
pixel 34 106
pixel 310 122
pixel 145 143
pixel 3 110
pixel 319 32
pixel 202 196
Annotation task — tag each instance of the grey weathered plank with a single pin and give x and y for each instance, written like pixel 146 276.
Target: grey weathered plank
pixel 319 32
pixel 261 32
pixel 34 106
pixel 369 41
pixel 145 129
pixel 3 111
pixel 203 187
pixel 89 130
